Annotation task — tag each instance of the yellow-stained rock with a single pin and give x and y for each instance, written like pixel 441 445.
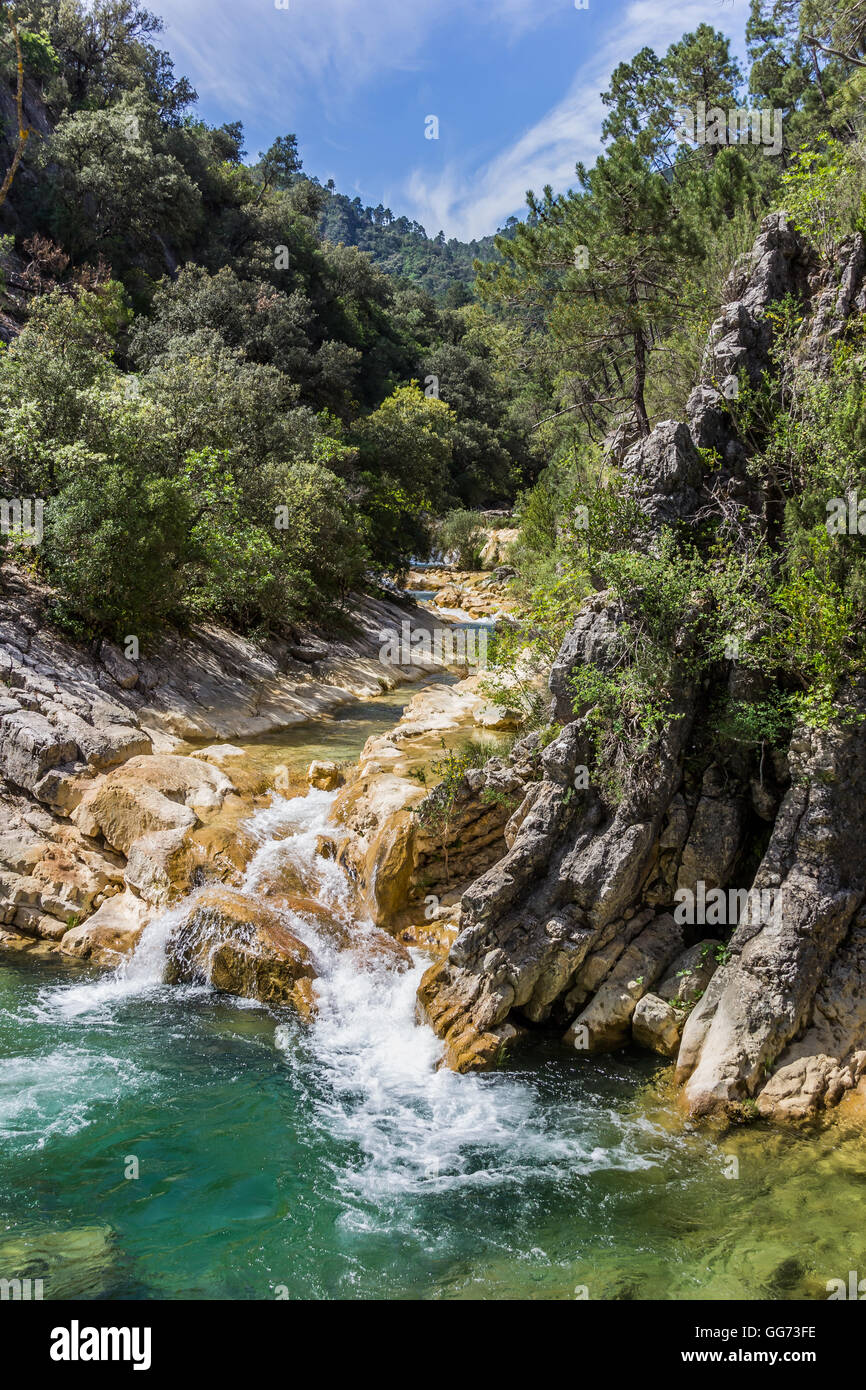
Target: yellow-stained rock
pixel 159 792
pixel 240 947
pixel 466 1049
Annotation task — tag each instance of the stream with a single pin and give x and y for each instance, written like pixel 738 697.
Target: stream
pixel 165 1142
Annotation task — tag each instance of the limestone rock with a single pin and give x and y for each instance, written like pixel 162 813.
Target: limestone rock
pixel 690 974
pixel 30 746
pixel 592 641
pixel 657 1025
pixel 161 865
pixel 605 1023
pixel 815 1071
pixel 660 1017
pixel 326 776
pixel 664 473
pixel 124 673
pixel 388 853
pixel 235 763
pixel 741 338
pixel 714 841
pixel 161 792
pixel 111 933
pixel 813 879
pixel 240 947
pixel 560 893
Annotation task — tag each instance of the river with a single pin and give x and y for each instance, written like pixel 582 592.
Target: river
pixel 167 1142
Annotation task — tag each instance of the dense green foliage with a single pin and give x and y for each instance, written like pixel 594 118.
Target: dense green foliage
pixel 210 370
pixel 243 395
pixel 461 535
pixel 615 285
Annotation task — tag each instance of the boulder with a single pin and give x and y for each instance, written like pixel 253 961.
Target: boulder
pixel 325 776
pixel 124 673
pixel 657 1025
pixel 30 746
pixel 160 792
pixel 111 933
pixel 497 718
pixel 235 762
pixel 161 865
pixel 660 1017
pixel 240 947
pixel 664 474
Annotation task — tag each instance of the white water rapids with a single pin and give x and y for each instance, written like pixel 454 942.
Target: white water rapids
pixel 368 1066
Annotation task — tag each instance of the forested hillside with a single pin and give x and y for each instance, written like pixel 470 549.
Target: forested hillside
pixel 259 416
pixel 230 408
pixel 402 248
pixel 619 284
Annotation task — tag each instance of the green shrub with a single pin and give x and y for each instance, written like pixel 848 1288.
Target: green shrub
pixel 461 534
pixel 115 545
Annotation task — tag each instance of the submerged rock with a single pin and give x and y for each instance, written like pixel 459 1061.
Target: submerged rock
pixel 72 1264
pixel 370 946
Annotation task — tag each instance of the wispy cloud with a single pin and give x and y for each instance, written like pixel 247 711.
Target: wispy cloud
pixel 469 202
pixel 250 54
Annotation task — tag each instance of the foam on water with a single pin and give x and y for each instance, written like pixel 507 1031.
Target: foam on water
pixel 372 1068
pixel 402 1126
pixel 54 1095
pixel 142 973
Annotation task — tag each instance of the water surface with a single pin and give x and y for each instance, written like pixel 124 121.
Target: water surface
pixel 160 1142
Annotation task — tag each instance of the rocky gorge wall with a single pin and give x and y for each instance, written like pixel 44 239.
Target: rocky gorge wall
pixel 575 928
pixel 546 902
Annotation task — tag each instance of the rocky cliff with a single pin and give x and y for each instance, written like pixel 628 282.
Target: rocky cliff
pixel 576 926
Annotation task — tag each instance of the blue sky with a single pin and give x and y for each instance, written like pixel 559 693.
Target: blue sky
pixel 514 83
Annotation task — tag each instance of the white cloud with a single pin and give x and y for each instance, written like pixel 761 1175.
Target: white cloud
pixel 249 55
pixel 470 202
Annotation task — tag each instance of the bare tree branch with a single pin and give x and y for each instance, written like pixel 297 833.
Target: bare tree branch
pixel 835 52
